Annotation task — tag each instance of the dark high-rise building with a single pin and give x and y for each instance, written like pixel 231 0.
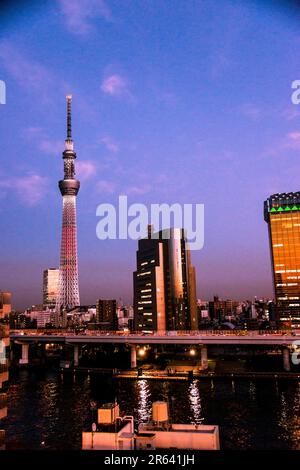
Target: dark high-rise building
pixel 282 213
pixel 164 283
pixel 106 314
pixel 68 289
pixel 272 311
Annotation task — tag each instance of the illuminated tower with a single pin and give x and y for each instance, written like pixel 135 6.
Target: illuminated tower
pixel 68 290
pixel 282 213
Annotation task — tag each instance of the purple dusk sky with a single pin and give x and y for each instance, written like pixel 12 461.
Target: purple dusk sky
pixel 186 102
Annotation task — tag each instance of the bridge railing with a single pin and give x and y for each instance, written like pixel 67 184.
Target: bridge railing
pixel 177 333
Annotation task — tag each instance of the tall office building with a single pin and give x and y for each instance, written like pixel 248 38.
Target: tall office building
pixel 164 283
pixel 68 289
pixel 50 287
pixel 106 314
pixel 282 213
pixel 5 304
pixel 4 344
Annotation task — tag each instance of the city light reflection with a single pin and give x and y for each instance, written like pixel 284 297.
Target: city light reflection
pixel 144 402
pixel 195 402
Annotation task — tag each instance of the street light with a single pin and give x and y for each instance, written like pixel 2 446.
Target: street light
pixel 142 352
pixel 192 352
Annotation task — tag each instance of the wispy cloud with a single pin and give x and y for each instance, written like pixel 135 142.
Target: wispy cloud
pixel 32 132
pixel 235 19
pixel 85 169
pixel 251 111
pixel 106 186
pixel 29 188
pixel 291 113
pixel 110 187
pixel 138 189
pixel 79 15
pixel 51 147
pixel 291 141
pixel 115 85
pixel 38 136
pixel 220 62
pixel 28 73
pixel 110 144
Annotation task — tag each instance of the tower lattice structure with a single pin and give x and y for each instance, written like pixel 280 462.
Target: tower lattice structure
pixel 68 287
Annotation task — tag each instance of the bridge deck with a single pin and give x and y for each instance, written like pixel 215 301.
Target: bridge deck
pixel 179 338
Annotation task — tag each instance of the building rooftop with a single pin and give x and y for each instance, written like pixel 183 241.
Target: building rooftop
pixel 108 406
pixel 281 202
pixel 189 428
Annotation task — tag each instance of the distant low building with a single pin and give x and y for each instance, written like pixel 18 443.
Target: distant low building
pixel 82 314
pixel 43 318
pixel 5 304
pixel 202 313
pixel 21 320
pixel 221 310
pixel 125 317
pixel 106 314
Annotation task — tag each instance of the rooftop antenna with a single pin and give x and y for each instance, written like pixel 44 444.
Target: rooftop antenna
pixel 69 117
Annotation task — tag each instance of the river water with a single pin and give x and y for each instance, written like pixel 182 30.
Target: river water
pixel 50 410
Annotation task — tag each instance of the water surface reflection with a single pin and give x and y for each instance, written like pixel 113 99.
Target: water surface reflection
pixel 47 410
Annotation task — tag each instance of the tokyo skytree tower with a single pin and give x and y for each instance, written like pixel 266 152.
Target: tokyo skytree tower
pixel 68 289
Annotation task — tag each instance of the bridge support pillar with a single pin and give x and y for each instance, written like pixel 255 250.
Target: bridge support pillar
pixel 11 352
pixel 25 354
pixel 204 361
pixel 76 355
pixel 133 356
pixel 286 359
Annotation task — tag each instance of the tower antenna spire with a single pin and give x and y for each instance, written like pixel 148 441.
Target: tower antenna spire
pixel 69 117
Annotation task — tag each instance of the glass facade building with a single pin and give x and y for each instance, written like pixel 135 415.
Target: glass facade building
pixel 50 287
pixel 282 213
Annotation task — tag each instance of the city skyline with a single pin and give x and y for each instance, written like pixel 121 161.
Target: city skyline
pixel 209 127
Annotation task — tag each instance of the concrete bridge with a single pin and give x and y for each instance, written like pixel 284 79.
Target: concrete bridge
pixel 287 341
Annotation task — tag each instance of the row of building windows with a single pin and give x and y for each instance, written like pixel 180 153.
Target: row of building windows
pixel 287 284
pixel 287 271
pixel 143 274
